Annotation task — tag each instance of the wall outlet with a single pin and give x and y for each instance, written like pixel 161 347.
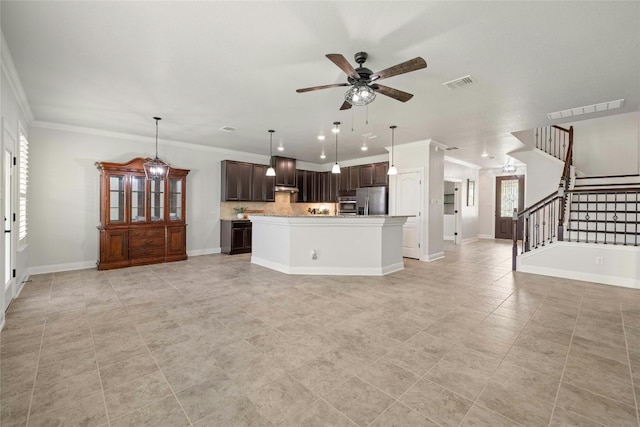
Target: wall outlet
pixel 599 260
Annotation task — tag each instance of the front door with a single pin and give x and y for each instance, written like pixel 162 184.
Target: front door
pixel 509 196
pixel 409 185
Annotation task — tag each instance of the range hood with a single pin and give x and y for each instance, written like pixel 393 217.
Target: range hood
pixel 282 188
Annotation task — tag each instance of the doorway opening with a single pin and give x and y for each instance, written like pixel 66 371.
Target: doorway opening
pixel 451 210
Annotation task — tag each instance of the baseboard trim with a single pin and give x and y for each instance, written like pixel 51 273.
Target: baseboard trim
pixel 577 275
pixel 328 271
pixel 485 236
pixel 208 251
pixel 55 268
pixel 469 240
pixel 432 257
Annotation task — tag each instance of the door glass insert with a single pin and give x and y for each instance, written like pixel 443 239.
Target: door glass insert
pixel 116 198
pixel 157 200
pixel 175 199
pixel 138 197
pixel 508 197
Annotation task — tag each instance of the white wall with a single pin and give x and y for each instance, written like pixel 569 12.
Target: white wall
pixel 458 171
pixel 435 219
pixel 607 145
pixel 64 192
pixel 15 114
pixel 543 174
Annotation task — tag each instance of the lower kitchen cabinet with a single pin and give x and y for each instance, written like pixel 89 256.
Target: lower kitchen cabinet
pixel 235 236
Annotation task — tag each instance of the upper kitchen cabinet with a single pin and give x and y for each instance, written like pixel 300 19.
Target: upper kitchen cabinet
pixel 380 176
pixel 237 179
pixel 285 171
pixel 374 174
pixel 263 188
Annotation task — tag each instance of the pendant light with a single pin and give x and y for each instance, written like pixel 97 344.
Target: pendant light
pixel 271 171
pixel 156 169
pixel 392 169
pixel 336 130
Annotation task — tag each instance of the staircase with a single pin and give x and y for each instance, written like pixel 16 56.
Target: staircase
pixel 587 229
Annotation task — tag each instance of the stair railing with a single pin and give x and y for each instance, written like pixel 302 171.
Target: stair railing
pixel 543 221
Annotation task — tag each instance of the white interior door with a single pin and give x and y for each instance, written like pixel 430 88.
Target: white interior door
pixel 409 192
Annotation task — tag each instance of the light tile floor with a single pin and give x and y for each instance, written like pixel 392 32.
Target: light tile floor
pixel 216 341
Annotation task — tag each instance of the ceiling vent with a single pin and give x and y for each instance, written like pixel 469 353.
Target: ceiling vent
pixel 587 109
pixel 451 148
pixel 228 129
pixel 459 82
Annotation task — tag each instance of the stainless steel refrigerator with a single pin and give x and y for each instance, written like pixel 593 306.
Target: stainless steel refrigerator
pixel 372 201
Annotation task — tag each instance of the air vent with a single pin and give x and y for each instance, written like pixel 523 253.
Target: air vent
pixel 228 129
pixel 451 148
pixel 459 82
pixel 587 109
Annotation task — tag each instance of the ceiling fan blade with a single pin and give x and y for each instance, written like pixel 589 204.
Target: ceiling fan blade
pixel 345 106
pixel 392 93
pixel 309 89
pixel 405 67
pixel 343 64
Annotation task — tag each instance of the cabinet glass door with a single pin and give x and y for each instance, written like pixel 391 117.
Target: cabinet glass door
pixel 157 200
pixel 116 198
pixel 175 199
pixel 138 199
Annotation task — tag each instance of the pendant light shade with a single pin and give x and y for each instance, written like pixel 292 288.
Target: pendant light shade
pixel 271 171
pixel 156 169
pixel 392 170
pixel 336 130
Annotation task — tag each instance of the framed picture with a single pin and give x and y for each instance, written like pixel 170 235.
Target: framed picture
pixel 471 192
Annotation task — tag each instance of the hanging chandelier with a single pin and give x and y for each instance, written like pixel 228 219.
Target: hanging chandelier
pixel 156 169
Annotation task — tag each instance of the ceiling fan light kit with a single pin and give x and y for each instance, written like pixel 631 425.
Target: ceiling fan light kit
pixel 363 81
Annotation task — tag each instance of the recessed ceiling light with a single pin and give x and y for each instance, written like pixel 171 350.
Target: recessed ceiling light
pixel 364 147
pixel 320 137
pixel 587 109
pixel 323 156
pixel 484 155
pixel 280 148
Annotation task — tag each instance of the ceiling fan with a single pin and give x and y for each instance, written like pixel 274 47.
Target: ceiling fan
pixel 363 81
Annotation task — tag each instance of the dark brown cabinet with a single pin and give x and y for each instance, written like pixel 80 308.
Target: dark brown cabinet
pixel 308 186
pixel 380 176
pixel 374 174
pixel 354 178
pixel 237 178
pixel 262 189
pixel 141 221
pixel 235 236
pixel 285 171
pixel 343 185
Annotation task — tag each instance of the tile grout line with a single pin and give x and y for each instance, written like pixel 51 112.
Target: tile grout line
pixel 626 343
pixel 475 401
pixel 151 354
pixel 95 354
pixel 35 375
pixel 566 359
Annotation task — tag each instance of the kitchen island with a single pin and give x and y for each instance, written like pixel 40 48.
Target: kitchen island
pixel 328 245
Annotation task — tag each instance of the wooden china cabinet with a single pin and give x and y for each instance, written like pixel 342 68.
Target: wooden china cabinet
pixel 141 221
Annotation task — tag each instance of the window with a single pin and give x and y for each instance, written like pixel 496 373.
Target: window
pixel 509 197
pixel 23 171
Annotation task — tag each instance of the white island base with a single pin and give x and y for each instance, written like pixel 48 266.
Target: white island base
pixel 328 245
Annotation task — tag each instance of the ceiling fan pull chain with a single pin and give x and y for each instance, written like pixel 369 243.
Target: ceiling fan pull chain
pixel 351 119
pixel 367 119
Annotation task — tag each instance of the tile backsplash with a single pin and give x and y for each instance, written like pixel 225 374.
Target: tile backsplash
pixel 282 206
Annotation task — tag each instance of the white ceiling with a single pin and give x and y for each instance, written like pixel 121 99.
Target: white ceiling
pixel 204 65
